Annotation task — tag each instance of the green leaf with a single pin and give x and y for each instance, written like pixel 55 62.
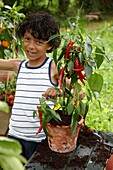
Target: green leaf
pixel 70 108
pixel 88 39
pixel 4 107
pixel 82 107
pixel 6 34
pixel 88 70
pixel 42 100
pixel 53 37
pixel 80 36
pixel 74 122
pixel 8 53
pixel 88 49
pixel 95 82
pixel 1 53
pixel 48 117
pixel 68 92
pixel 9 147
pixel 10 157
pixel 34 113
pixel 92 62
pixel 96 95
pixel 99 105
pixel 86 109
pixel 70 65
pixel 14 5
pixel 81 57
pixel 108 60
pixel 18 8
pixel 71 25
pixel 63 51
pixel 99 56
pixel 78 88
pixel 55 56
pixel 89 95
pixel 2 85
pixel 10 163
pixel 54 114
pixel 74 78
pixel 44 125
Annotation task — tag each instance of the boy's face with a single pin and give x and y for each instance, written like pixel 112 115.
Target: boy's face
pixel 35 49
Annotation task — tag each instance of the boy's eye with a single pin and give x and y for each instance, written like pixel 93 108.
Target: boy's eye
pixel 26 38
pixel 39 42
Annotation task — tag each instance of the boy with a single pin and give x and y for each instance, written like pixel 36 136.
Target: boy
pixel 35 76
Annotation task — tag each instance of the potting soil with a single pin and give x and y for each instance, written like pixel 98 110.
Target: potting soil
pixel 90 154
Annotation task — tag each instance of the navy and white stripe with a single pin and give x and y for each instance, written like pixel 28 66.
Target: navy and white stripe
pixel 31 83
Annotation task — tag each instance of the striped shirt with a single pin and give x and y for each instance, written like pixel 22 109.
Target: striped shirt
pixel 31 83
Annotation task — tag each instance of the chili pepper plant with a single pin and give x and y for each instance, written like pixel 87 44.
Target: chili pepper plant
pixel 79 60
pixel 10 44
pixel 7 90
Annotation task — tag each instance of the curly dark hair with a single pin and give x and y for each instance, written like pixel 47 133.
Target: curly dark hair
pixel 42 26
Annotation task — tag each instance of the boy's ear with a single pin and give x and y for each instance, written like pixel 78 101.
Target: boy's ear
pixel 49 48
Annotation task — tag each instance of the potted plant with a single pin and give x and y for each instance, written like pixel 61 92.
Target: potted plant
pixel 79 61
pixel 7 90
pixel 7 93
pixel 10 44
pixel 10 47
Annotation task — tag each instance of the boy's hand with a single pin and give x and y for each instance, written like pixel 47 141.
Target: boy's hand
pixel 51 93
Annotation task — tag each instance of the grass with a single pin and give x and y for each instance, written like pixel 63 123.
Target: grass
pixel 96 118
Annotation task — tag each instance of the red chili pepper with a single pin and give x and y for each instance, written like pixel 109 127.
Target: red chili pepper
pixel 82 77
pixel 68 49
pixel 75 102
pixel 61 78
pixel 40 116
pixel 79 69
pixel 77 64
pixel 78 48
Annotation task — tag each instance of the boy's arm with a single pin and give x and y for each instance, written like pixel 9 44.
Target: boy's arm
pixel 52 92
pixel 10 65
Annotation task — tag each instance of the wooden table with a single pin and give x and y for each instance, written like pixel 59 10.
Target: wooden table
pixel 90 154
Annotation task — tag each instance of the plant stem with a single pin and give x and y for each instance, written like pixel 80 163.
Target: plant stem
pixel 13 44
pixel 63 93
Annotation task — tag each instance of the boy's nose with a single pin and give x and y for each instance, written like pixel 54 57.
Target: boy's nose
pixel 32 44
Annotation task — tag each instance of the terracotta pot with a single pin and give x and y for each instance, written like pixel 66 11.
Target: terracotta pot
pixel 109 164
pixel 4 117
pixel 4 122
pixel 62 140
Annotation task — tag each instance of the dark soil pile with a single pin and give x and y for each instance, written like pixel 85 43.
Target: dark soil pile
pixel 88 150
